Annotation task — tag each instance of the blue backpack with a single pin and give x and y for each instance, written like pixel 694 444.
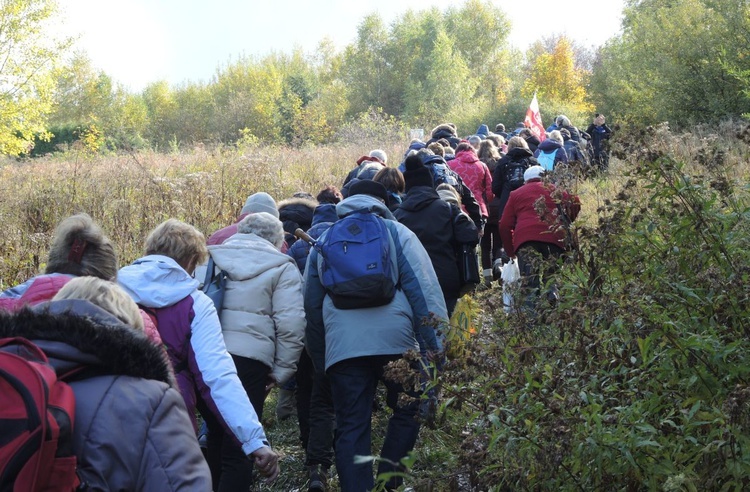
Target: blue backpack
pixel 547 160
pixel 356 268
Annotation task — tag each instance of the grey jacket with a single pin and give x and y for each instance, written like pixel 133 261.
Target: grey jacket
pixel 131 431
pixel 407 323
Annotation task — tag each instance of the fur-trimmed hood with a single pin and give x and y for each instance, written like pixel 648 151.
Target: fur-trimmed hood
pixel 298 210
pixel 443 131
pixel 75 332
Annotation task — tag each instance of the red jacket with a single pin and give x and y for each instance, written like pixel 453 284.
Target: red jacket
pixel 521 223
pixel 222 235
pixel 476 177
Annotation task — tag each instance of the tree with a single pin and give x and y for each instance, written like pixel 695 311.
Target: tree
pixel 365 69
pixel 675 62
pixel 555 78
pixel 28 57
pixel 480 32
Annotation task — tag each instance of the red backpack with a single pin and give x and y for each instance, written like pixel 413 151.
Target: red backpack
pixel 37 413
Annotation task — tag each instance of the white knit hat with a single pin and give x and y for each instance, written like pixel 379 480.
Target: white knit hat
pixel 532 173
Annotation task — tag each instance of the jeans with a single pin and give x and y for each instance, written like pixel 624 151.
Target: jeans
pixel 353 384
pixel 231 469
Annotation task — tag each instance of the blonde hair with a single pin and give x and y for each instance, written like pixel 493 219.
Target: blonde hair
pixel 449 194
pixel 180 241
pixel 437 149
pixel 106 295
pixel 81 248
pixel 556 136
pixel 516 142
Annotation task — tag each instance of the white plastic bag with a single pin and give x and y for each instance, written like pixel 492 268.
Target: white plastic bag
pixel 510 272
pixel 510 275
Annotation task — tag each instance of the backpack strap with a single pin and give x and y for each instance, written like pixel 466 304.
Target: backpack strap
pixel 210 271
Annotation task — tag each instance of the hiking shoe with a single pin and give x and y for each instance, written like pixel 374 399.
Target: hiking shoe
pixel 318 478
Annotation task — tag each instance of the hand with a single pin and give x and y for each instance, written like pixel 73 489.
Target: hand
pixel 267 462
pixel 270 384
pixel 433 355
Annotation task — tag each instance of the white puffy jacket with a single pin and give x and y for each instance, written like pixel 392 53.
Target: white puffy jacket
pixel 263 316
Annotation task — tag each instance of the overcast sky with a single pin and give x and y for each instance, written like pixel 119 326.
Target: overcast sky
pixel 142 41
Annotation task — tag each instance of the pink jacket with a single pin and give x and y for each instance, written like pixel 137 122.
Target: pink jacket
pixel 476 175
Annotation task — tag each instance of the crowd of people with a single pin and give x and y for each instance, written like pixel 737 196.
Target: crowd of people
pixel 156 359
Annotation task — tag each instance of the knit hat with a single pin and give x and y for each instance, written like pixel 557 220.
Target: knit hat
pixel 534 172
pixel 260 202
pixel 369 187
pixel 416 174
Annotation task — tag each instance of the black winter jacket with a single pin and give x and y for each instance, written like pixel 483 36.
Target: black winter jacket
pixel 440 227
pixel 500 186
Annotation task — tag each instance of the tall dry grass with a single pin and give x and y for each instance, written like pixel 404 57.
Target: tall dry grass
pixel 129 194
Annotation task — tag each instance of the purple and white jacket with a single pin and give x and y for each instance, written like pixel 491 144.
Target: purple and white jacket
pixel 190 328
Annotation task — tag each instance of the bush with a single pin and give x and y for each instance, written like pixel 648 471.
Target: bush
pixel 639 378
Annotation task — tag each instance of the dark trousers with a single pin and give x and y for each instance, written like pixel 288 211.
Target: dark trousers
pixel 303 389
pixel 353 384
pixel 536 260
pixel 231 469
pixel 490 244
pixel 322 424
pixel 315 412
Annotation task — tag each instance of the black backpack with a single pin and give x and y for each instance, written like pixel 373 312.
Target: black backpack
pixel 514 173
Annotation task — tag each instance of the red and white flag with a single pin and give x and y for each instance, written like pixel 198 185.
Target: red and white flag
pixel 533 119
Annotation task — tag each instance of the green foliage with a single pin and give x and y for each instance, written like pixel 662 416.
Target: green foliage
pixel 427 67
pixel 26 81
pixel 88 98
pixel 371 127
pixel 555 78
pixel 638 378
pixel 674 62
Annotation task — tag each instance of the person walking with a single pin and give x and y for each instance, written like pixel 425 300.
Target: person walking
pixel 354 346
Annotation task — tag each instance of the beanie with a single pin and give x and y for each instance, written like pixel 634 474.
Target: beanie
pixel 369 187
pixel 534 172
pixel 416 174
pixel 260 202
